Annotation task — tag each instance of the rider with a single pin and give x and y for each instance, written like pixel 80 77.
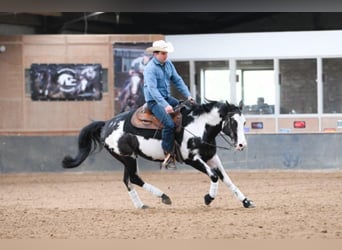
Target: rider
pixel 138 64
pixel 157 76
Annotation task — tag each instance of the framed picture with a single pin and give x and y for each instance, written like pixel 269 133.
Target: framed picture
pixel 66 82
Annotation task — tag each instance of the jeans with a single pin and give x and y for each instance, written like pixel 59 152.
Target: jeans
pixel 168 132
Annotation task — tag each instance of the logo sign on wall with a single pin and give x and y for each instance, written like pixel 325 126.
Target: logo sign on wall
pixel 66 82
pixel 130 60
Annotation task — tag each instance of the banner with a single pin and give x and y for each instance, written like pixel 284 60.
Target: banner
pixel 66 82
pixel 130 60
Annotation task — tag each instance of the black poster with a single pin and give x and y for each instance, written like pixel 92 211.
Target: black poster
pixel 66 82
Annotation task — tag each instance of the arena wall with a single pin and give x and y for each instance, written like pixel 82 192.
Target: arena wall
pixel 20 154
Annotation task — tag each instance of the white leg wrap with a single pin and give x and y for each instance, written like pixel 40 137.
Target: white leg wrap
pixel 135 198
pixel 155 191
pixel 236 191
pixel 213 189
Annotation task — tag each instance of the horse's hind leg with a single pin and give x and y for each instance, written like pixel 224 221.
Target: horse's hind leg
pixel 133 194
pixel 131 177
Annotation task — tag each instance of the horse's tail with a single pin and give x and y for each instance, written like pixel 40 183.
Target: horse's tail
pixel 88 140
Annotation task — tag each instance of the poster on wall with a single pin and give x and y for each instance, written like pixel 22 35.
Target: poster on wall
pixel 130 60
pixel 66 82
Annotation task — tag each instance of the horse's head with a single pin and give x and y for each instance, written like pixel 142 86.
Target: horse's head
pixel 135 82
pixel 233 124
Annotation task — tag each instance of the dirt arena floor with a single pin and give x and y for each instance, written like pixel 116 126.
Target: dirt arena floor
pixel 289 205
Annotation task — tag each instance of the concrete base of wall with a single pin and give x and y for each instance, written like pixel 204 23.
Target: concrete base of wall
pixel 21 154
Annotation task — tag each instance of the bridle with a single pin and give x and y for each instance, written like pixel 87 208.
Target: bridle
pixel 212 145
pixel 226 123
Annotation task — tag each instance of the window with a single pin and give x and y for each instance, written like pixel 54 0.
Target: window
pixel 255 86
pixel 298 87
pixel 332 85
pixel 183 69
pixel 212 81
pixel 216 84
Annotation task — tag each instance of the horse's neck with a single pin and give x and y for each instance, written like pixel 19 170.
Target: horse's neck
pixel 201 127
pixel 211 133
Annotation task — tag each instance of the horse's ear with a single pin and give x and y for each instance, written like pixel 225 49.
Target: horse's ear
pixel 241 105
pixel 206 100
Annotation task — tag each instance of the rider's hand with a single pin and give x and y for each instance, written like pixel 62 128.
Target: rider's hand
pixel 168 109
pixel 191 99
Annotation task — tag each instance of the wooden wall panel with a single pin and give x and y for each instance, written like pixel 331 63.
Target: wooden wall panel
pixel 11 81
pixel 45 39
pixel 64 115
pixel 11 113
pixel 19 114
pixel 135 38
pixel 87 39
pixel 34 53
pixel 45 115
pixel 12 86
pixel 97 53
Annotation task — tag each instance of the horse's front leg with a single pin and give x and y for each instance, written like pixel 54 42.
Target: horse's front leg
pixel 217 166
pixel 206 169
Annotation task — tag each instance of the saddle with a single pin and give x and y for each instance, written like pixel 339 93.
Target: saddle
pixel 143 118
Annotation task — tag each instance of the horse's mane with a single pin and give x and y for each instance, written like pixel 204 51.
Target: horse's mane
pixel 224 108
pixel 199 109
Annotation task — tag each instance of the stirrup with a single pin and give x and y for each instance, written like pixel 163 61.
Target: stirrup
pixel 169 162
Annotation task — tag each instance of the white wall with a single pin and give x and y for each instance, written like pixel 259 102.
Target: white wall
pixel 256 45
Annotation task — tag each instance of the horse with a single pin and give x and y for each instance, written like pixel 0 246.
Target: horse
pixel 200 124
pixel 40 84
pixel 132 95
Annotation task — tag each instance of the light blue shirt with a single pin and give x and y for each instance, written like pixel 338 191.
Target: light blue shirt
pixel 157 79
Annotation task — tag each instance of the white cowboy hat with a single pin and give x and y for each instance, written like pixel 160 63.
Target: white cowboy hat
pixel 162 46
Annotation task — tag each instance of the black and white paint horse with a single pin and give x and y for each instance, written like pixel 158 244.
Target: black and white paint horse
pixel 200 125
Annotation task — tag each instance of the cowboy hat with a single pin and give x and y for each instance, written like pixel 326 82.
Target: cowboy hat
pixel 162 46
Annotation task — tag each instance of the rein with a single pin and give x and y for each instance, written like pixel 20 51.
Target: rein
pixel 212 145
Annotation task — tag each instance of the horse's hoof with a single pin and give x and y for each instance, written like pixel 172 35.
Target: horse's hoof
pixel 208 199
pixel 144 207
pixel 248 203
pixel 166 199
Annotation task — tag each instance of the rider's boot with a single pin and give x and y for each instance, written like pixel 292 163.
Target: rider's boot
pixel 169 161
